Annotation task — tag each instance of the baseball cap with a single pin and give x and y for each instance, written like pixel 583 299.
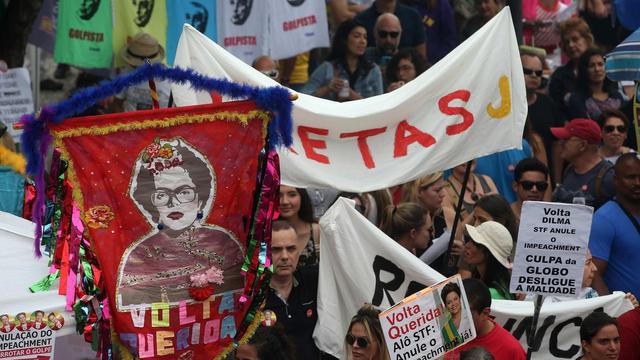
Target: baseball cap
pixel 495 237
pixel 585 129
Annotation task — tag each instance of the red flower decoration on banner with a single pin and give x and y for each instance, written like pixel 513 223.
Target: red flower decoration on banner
pixel 99 217
pixel 201 293
pixel 159 157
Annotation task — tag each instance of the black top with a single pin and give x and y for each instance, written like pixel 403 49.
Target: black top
pixel 543 115
pixel 298 314
pixel 562 83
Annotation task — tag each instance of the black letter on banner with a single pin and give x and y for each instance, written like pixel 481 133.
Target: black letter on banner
pixel 382 264
pixel 413 288
pixel 525 326
pixel 553 340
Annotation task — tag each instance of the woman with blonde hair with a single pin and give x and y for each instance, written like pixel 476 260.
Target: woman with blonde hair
pixel 364 339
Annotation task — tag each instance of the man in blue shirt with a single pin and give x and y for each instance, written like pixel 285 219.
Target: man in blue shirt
pixel 412 30
pixel 615 232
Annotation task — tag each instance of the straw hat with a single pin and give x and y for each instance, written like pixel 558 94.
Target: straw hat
pixel 495 237
pixel 142 46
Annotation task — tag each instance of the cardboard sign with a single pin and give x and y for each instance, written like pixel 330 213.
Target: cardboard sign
pixel 551 249
pixel 431 322
pixel 15 98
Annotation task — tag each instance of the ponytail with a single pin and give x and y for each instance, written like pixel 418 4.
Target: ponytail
pixel 400 220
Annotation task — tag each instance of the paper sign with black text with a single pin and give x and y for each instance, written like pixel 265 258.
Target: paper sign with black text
pixel 15 98
pixel 429 323
pixel 551 249
pixel 29 335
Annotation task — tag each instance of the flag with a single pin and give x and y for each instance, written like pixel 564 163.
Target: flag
pixel 165 196
pixel 199 14
pixel 134 16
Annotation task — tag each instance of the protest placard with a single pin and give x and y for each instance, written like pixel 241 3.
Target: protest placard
pixel 551 249
pixel 29 335
pixel 429 323
pixel 15 98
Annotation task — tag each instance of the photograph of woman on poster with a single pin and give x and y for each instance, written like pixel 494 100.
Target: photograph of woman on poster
pixel 452 298
pixel 174 187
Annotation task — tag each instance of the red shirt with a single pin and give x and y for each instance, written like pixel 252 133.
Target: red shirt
pixel 630 335
pixel 499 342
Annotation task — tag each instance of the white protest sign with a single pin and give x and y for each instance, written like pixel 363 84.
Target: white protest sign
pixel 551 249
pixel 15 98
pixel 29 336
pixel 431 322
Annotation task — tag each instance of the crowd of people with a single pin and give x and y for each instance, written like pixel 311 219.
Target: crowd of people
pixel 577 148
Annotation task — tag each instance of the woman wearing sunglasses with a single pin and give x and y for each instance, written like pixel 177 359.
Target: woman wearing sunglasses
pixel 347 74
pixel 614 124
pixel 364 340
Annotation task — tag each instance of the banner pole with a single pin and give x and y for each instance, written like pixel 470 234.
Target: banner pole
pixel 534 324
pixel 448 259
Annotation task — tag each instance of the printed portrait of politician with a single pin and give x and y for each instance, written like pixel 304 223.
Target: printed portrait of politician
pixel 22 323
pixel 55 321
pixel 7 323
pixel 174 187
pixel 37 320
pixel 452 297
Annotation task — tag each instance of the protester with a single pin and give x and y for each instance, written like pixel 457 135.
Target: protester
pixel 530 182
pixel 494 207
pixel 487 248
pixel 409 224
pixel 599 337
pixel 614 124
pixel 487 9
pixel 267 66
pixel 489 334
pixel 439 26
pixel 141 48
pixel 364 338
pixel 615 232
pixel 542 113
pixel 478 186
pixel 292 293
pixel 629 327
pixel 405 66
pixel 387 33
pixel 295 207
pixel 294 71
pixel 575 39
pixel 412 34
pixel 499 167
pixel 540 23
pixel 594 91
pixel 346 74
pixel 267 343
pixel 588 178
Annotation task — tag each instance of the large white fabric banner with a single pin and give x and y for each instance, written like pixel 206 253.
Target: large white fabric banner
pixel 360 264
pixel 297 26
pixel 242 28
pixel 471 103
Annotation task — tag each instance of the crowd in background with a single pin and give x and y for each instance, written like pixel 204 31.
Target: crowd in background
pixel 577 148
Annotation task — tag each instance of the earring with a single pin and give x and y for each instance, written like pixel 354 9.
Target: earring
pixel 200 215
pixel 160 226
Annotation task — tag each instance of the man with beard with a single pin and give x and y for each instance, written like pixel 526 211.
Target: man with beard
pixel 292 293
pixel 531 180
pixel 615 232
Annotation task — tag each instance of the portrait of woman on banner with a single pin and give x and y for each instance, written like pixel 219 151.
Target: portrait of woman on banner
pixel 174 187
pixel 452 297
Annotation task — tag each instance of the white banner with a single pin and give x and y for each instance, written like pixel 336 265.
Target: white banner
pixel 297 26
pixel 458 110
pixel 15 98
pixel 360 264
pixel 242 28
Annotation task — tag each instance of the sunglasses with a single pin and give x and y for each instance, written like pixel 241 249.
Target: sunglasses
pixel 537 73
pixel 362 342
pixel 271 73
pixel 528 185
pixel 609 128
pixel 383 34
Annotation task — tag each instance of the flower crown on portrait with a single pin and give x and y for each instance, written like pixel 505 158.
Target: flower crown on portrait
pixel 158 157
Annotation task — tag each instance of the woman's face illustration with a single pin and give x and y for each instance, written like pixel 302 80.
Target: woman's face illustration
pixel 175 198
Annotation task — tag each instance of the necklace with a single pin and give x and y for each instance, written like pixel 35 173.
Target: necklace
pixel 472 179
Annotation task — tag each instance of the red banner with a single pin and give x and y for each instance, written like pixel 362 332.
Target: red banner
pixel 165 196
